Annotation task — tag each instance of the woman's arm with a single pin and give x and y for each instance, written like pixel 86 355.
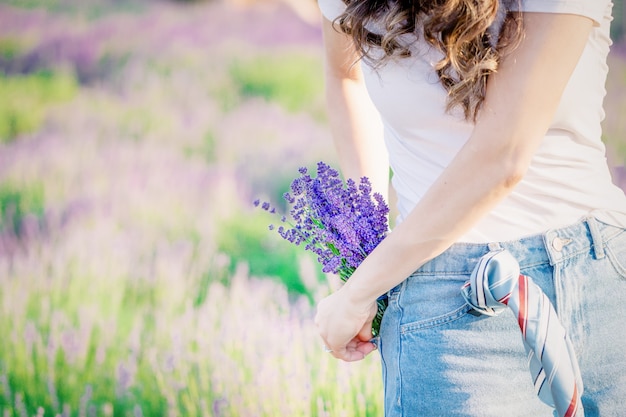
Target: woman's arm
pixel 354 122
pixel 521 101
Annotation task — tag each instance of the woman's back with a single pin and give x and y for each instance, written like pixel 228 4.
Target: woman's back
pixel 568 177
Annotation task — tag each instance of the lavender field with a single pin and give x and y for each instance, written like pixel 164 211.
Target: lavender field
pixel 136 276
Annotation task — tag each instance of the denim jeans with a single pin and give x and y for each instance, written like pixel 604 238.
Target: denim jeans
pixel 438 360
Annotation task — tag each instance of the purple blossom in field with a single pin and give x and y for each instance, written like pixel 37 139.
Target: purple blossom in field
pixel 341 222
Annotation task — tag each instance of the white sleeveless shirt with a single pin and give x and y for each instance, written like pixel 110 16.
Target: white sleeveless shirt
pixel 568 177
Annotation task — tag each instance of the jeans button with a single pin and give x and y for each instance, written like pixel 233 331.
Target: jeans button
pixel 557 244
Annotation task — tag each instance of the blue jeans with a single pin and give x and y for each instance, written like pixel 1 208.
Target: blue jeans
pixel 438 360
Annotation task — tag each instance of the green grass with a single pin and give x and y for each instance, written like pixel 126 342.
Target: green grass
pixel 10 48
pixel 292 80
pixel 17 202
pixel 27 98
pixel 104 342
pixel 246 239
pixel 92 9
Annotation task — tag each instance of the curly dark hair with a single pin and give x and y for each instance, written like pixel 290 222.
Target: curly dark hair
pixel 464 31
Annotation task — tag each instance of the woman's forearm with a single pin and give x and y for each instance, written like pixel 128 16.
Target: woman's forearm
pixel 451 207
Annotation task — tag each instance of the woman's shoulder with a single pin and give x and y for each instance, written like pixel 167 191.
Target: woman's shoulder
pixel 597 10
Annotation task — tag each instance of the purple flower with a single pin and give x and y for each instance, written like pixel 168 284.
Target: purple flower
pixel 340 222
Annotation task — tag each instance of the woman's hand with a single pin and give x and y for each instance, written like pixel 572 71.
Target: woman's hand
pixel 346 327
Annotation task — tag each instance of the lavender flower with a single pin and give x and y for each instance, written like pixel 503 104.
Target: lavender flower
pixel 340 222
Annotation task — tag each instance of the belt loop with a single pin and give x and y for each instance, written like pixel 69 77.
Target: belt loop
pixel 554 255
pixel 494 246
pixel 596 237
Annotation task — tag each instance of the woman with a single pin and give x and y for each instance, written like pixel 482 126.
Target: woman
pixel 490 113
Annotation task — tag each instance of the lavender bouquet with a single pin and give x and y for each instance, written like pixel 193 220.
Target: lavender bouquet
pixel 341 222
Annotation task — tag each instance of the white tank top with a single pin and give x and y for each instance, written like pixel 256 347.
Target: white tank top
pixel 568 177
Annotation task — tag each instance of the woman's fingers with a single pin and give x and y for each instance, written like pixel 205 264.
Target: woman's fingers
pixel 365 334
pixel 353 351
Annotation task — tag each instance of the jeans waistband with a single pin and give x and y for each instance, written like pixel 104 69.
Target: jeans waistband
pixel 585 236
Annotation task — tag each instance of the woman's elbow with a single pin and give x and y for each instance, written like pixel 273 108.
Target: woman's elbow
pixel 505 162
pixel 512 172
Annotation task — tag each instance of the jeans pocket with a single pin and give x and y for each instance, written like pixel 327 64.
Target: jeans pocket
pixel 436 321
pixel 431 300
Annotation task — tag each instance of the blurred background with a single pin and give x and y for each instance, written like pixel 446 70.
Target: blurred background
pixel 136 277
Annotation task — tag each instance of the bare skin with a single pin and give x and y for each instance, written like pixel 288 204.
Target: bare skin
pixel 354 121
pixel 521 100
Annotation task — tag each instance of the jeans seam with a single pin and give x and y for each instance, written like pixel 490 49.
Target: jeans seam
pixel 617 233
pixel 619 268
pixel 400 309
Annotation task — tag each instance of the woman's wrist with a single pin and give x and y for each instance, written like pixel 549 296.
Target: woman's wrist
pixel 358 296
